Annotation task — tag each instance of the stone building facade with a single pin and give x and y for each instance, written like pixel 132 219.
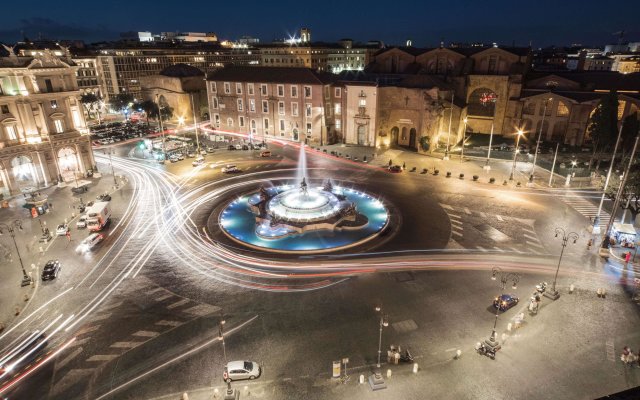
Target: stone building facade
pixel 270 102
pixel 43 134
pixel 351 109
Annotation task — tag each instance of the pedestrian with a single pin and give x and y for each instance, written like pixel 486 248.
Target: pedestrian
pixel 390 162
pixel 627 257
pixel 589 244
pixel 404 166
pixel 625 354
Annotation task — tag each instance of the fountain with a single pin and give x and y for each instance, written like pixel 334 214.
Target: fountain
pixel 304 217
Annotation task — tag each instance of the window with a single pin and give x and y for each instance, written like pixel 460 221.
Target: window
pixel 266 123
pixel 338 108
pixel 253 124
pixel 4 109
pixel 11 132
pixel 252 105
pixel 241 121
pixel 240 105
pixel 230 122
pixel 327 108
pixel 338 92
pixel 214 103
pixel 238 88
pixel 250 89
pixel 59 127
pixel 338 123
pixel 308 110
pixel 529 108
pixel 263 89
pixel 213 87
pixel 294 91
pixel 54 104
pixel 362 102
pixel 280 90
pixel 309 128
pixel 282 125
pixel 281 107
pixel 562 110
pixel 216 120
pixel 47 83
pixel 294 109
pixel 307 92
pixel 227 88
pixel 265 106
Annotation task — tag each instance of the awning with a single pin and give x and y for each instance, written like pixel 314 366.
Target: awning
pixel 627 229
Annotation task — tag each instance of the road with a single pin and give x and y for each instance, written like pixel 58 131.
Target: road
pixel 140 318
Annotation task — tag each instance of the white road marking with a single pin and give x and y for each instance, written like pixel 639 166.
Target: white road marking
pixel 87 329
pixel 101 357
pixel 146 334
pixel 67 359
pixel 456 233
pixel 535 244
pixel 125 345
pixel 466 210
pixel 530 237
pixel 499 218
pixel 481 248
pixel 448 207
pixel 168 323
pixel 164 297
pixel 178 303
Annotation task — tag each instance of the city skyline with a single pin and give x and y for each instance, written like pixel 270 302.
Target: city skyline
pixel 548 24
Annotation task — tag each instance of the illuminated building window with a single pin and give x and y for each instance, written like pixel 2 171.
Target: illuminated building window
pixel 11 132
pixel 307 92
pixel 338 92
pixel 281 107
pixel 59 126
pixel 252 105
pixel 621 106
pixel 294 109
pixel 562 110
pixel 250 89
pixel 294 91
pixel 240 105
pixel 238 88
pixel 54 104
pixel 308 110
pixel 263 90
pixel 280 90
pixel 338 124
pixel 338 108
pixel 265 106
pixel 308 128
pixel 227 88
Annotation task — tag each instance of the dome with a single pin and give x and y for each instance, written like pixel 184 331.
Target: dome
pixel 181 71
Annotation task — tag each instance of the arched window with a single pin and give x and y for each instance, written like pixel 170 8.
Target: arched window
pixel 529 108
pixel 562 110
pixel 482 103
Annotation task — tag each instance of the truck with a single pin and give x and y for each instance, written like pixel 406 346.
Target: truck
pixel 98 216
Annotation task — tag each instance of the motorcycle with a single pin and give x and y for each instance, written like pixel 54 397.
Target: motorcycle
pixel 406 357
pixel 485 350
pixel 541 287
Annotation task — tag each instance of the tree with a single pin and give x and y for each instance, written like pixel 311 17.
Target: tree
pixel 603 126
pixel 91 102
pixel 629 131
pixel 121 102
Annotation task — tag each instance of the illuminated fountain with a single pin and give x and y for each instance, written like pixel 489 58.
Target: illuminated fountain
pixel 302 217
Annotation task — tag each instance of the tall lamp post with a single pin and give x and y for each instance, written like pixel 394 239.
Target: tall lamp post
pixel 464 136
pixel 535 156
pixel 376 381
pixel 110 151
pixel 565 237
pixel 497 272
pixel 160 122
pixel 596 221
pixel 515 154
pixel 11 227
pixel 446 152
pixel 221 336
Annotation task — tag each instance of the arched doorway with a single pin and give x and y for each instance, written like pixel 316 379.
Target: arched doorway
pixel 68 163
pixel 395 131
pixel 296 135
pixel 362 134
pixel 412 137
pixel 24 173
pixel 482 103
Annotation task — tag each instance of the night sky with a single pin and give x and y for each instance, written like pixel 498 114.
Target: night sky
pixel 541 22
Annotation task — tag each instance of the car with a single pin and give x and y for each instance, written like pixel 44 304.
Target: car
pixel 161 161
pixel 198 161
pixel 245 147
pixel 230 169
pixel 51 270
pixel 104 197
pixel 394 169
pixel 180 156
pixel 110 141
pixel 82 222
pixel 173 158
pixel 90 242
pixel 210 149
pixel 62 229
pixel 505 302
pixel 203 152
pixel 258 147
pixel 238 147
pixel 231 147
pixel 265 153
pixel 238 370
pixel 191 154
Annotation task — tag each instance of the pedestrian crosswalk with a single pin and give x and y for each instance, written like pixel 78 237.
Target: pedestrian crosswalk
pixel 585 207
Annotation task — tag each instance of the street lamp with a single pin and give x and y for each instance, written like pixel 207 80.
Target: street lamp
pixel 505 277
pixel 553 293
pixel 535 156
pixel 464 136
pixel 383 324
pixel 221 336
pixel 11 227
pixel 160 122
pixel 110 151
pixel 515 153
pixel 376 381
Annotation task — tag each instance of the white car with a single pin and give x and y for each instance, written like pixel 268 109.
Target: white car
pixel 62 229
pixel 90 242
pixel 229 169
pixel 198 161
pixel 82 222
pixel 238 147
pixel 237 370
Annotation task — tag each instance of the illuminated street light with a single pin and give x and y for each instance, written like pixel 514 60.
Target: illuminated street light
pixel 515 153
pixel 535 156
pixel 464 136
pixel 553 293
pixel 11 227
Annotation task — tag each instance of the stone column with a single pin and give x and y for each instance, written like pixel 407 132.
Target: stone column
pixel 44 174
pixel 81 167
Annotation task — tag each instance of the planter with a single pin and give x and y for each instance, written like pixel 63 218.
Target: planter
pixel 436 172
pixel 461 176
pixel 475 177
pixel 448 174
pixel 492 180
pixel 505 182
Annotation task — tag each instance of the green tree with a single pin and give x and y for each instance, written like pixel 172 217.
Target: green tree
pixel 91 102
pixel 630 129
pixel 603 126
pixel 121 102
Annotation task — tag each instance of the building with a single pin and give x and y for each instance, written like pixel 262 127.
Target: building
pixel 122 66
pixel 626 63
pixel 180 86
pixel 351 108
pixel 43 135
pixel 598 63
pixel 270 102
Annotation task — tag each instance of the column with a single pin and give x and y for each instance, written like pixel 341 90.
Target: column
pixel 44 174
pixel 79 160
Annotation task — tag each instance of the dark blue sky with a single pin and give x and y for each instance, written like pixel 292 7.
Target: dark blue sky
pixel 542 22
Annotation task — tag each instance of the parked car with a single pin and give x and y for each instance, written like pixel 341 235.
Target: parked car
pixel 173 158
pixel 51 270
pixel 210 149
pixel 265 153
pixel 238 147
pixel 104 197
pixel 82 222
pixel 203 152
pixel 231 147
pixel 230 169
pixel 505 302
pixel 62 229
pixel 198 161
pixel 238 370
pixel 257 146
pixel 90 242
pixel 395 169
pixel 191 154
pixel 245 147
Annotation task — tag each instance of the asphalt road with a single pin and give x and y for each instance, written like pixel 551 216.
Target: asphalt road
pixel 144 311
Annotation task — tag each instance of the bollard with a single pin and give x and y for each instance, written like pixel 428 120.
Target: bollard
pixel 246 390
pixel 25 297
pixel 571 288
pixel 415 368
pixel 33 266
pixel 389 373
pixel 41 249
pixel 17 311
pixel 216 392
pixel 599 292
pixel 458 354
pixel 509 326
pixel 185 396
pixel 361 380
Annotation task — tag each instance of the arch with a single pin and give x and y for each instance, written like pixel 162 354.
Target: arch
pixel 394 135
pixel 559 131
pixel 562 109
pixel 68 163
pixel 24 172
pixel 403 136
pixel 362 134
pixel 482 103
pixel 412 137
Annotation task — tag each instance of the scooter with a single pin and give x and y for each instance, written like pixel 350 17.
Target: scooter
pixel 541 287
pixel 406 357
pixel 484 350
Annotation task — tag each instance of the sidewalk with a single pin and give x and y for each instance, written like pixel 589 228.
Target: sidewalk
pixel 33 253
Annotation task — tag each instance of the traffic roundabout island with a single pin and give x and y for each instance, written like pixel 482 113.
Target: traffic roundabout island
pixel 304 218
